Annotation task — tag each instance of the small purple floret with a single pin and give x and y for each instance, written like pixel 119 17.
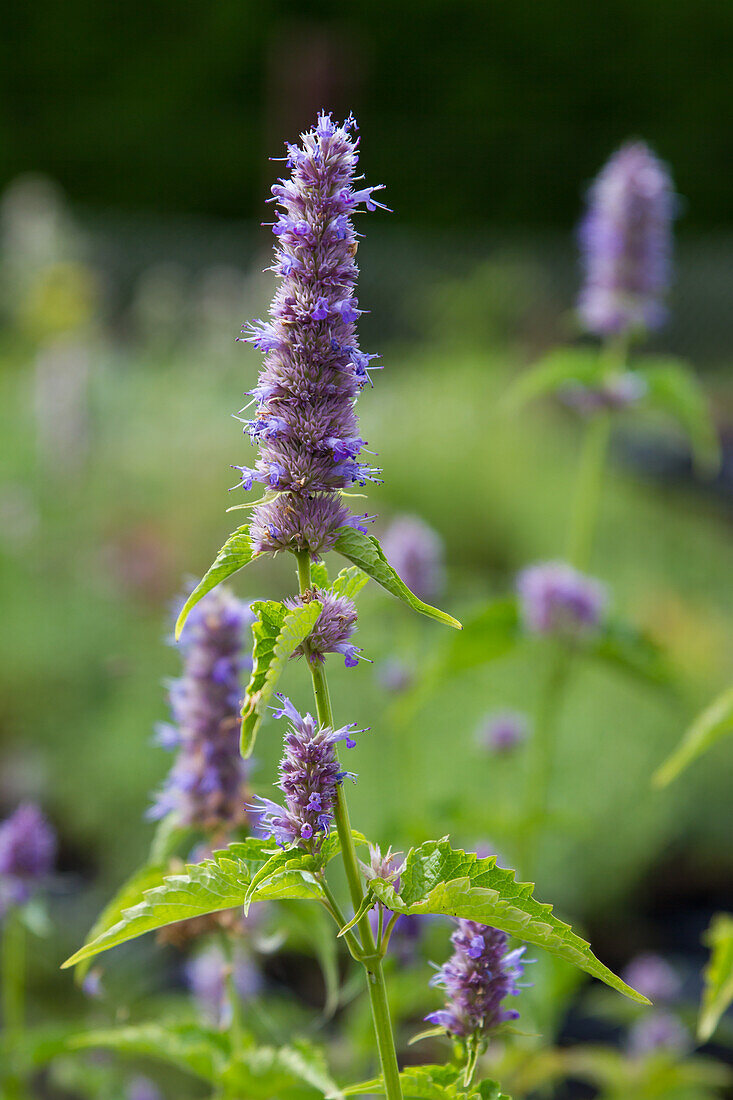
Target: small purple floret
pixel 557 599
pixel 310 775
pixel 626 244
pixel 503 731
pixel 27 854
pixel 478 976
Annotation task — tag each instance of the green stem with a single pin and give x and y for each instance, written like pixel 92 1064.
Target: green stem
pixel 334 909
pixel 370 958
pixel 12 979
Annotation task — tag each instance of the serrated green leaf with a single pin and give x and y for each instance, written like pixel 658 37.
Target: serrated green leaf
pixel 366 553
pixel 673 388
pixel 349 582
pixel 561 368
pixel 319 575
pixel 430 1082
pixel 277 634
pixel 233 556
pixel 717 976
pixel 489 1090
pixel 131 893
pixel 199 1050
pixel 716 721
pixel 627 649
pixel 282 861
pixel 440 879
pixel 491 633
pixel 206 887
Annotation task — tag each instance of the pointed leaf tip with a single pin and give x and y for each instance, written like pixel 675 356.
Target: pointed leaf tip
pixel 365 552
pixel 233 556
pixel 440 879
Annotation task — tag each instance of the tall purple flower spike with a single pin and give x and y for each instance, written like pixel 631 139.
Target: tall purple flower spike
pixel 27 854
pixel 477 978
pixel 305 425
pixel 626 244
pixel 206 787
pixel 557 599
pixel 309 778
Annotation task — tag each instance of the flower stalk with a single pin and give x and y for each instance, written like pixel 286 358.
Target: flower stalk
pixel 370 957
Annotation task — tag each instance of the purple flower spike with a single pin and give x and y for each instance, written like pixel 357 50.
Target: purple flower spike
pixel 503 731
pixel 626 243
pixel 27 854
pixel 477 978
pixel 332 630
pixel 305 422
pixel 557 599
pixel 310 775
pixel 415 551
pixel 206 787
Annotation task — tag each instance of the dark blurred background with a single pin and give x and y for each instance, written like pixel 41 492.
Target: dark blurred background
pixel 134 146
pixel 479 114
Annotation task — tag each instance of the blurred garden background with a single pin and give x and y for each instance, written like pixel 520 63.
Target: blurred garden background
pixel 133 164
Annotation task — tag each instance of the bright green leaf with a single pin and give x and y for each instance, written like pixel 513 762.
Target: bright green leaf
pixel 200 1051
pixel 206 887
pixel 561 368
pixel 718 975
pixel 431 1082
pixel 349 582
pixel 319 574
pixel 277 634
pixel 366 553
pixel 715 722
pixel 441 879
pixel 234 555
pixel 673 388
